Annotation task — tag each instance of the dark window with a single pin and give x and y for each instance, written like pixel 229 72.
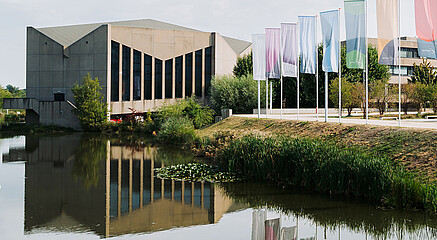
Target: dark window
pixel 198 74
pixel 158 78
pixel 137 75
pixel 168 78
pixel 208 69
pixel 188 74
pixel 59 97
pixel 125 91
pixel 115 69
pixel 147 77
pixel 409 53
pixel 178 76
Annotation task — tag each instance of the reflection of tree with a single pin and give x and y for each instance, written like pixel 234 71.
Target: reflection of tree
pixel 334 213
pixel 88 156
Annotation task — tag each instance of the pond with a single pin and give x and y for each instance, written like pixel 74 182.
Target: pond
pixel 83 186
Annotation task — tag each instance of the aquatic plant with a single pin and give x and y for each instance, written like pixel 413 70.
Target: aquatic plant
pixel 196 172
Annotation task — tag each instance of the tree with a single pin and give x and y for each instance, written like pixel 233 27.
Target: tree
pixel 238 94
pixel 347 99
pixel 380 92
pixel 4 93
pixel 424 73
pixel 91 110
pixel 244 66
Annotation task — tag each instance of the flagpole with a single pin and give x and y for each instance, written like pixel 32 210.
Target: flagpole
pixel 399 57
pixel 367 69
pixel 271 97
pixel 317 72
pixel 267 97
pixel 298 76
pixel 281 67
pixel 259 98
pixel 339 69
pixel 326 96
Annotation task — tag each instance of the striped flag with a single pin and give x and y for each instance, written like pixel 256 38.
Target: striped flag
pixel 426 27
pixel 387 21
pixel 289 49
pixel 272 52
pixel 331 40
pixel 355 19
pixel 307 44
pixel 259 56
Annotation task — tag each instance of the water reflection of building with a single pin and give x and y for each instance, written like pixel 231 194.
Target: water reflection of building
pixel 126 198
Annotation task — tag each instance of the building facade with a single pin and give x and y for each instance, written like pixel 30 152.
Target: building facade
pixel 141 65
pixel 409 57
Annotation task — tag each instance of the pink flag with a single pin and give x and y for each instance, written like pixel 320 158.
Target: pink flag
pixel 272 52
pixel 426 24
pixel 426 19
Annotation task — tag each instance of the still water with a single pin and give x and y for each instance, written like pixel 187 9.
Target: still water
pixel 89 187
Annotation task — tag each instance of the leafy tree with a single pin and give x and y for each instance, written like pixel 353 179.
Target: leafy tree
pixel 424 73
pixel 380 93
pixel 348 100
pixel 238 94
pixel 91 110
pixel 4 93
pixel 244 66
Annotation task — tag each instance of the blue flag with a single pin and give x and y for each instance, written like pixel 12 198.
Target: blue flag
pixel 331 40
pixel 307 44
pixel 355 19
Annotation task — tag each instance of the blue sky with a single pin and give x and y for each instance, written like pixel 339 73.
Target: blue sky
pixel 234 18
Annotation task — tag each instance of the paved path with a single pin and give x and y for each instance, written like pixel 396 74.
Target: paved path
pixel 410 123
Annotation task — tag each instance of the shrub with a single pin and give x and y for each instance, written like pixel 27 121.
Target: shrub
pixel 238 94
pixel 189 108
pixel 177 130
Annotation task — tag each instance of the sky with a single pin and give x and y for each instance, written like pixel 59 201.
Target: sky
pixel 234 18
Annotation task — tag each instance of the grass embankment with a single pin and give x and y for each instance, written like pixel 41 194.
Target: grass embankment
pixel 376 163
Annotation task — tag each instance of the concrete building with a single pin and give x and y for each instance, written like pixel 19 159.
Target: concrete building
pixel 141 65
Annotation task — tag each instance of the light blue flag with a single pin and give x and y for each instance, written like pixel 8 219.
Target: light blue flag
pixel 259 56
pixel 331 40
pixel 307 44
pixel 355 19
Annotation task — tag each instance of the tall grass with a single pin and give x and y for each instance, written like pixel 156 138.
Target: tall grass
pixel 323 167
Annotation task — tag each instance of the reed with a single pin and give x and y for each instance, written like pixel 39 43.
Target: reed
pixel 324 167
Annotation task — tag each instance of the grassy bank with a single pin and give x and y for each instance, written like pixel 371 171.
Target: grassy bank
pixel 391 166
pixel 414 149
pixel 323 167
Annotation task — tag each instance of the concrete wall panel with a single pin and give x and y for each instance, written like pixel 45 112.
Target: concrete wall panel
pixel 86 62
pixel 58 79
pixel 33 62
pixel 32 41
pixel 100 62
pixel 45 79
pixel 33 80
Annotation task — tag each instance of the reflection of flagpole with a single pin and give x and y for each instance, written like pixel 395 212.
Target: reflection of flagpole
pixel 317 71
pixel 399 57
pixel 367 68
pixel 280 66
pixel 339 69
